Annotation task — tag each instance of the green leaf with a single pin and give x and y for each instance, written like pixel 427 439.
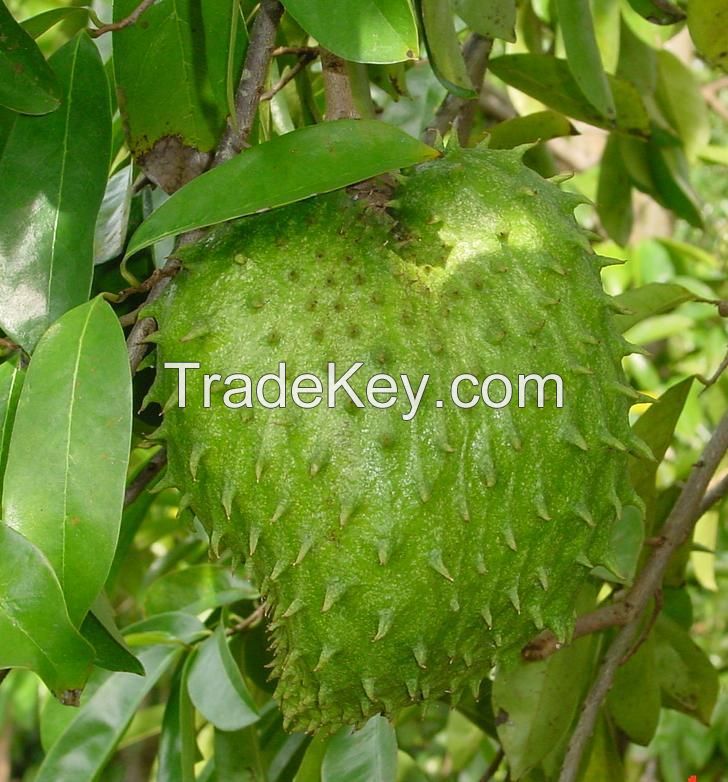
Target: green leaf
pixel 376 31
pixel 73 427
pixel 535 702
pixel 614 194
pixel 583 57
pixel 27 84
pixel 11 383
pixel 310 768
pixel 288 168
pixel 708 25
pixel 494 19
pixel 624 547
pixel 687 678
pixel 607 18
pixel 549 80
pixel 174 120
pixel 34 624
pixel 197 588
pixel 634 700
pixel 238 757
pixel 670 174
pixel 658 11
pixel 216 686
pixel 678 95
pixel 443 47
pixel 99 629
pixel 113 217
pixel 177 746
pixel 82 750
pixel 366 755
pixel 648 300
pixel 539 126
pixel 36 25
pixel 605 758
pixel 54 171
pixel 712 153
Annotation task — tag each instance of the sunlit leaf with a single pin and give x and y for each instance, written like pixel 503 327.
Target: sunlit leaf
pixel 443 47
pixel 648 300
pixel 539 126
pixel 708 25
pixel 73 427
pixel 113 217
pixel 11 383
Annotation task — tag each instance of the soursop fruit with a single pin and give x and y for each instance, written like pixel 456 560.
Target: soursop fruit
pixel 400 558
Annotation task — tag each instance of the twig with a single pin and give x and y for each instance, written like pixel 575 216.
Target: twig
pixel 279 51
pixel 708 382
pixel 143 287
pixel 675 531
pixel 337 87
pixel 257 60
pixel 150 470
pixel 288 76
pixel 8 344
pixel 716 492
pixel 492 769
pixel 250 620
pixel 122 23
pixel 475 53
pixel 711 93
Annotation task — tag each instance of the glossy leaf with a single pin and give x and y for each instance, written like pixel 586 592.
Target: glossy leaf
pixel 197 588
pixel 173 121
pixel 27 84
pixel 443 47
pixel 708 25
pixel 658 11
pixel 549 80
pixel 634 700
pixel 113 217
pixel 289 168
pixel 582 55
pixel 36 25
pixel 366 755
pixel 50 198
pixel 534 703
pixel 73 427
pixel 82 750
pixel 11 383
pixel 35 627
pixel 539 126
pixel 494 19
pixel 648 300
pixel 614 194
pixel 376 31
pixel 688 680
pixel 217 688
pixel 679 97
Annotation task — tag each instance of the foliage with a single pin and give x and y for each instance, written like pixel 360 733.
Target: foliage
pixel 110 149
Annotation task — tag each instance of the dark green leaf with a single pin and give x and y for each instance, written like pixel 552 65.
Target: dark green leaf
pixel 624 547
pixel 687 678
pixel 27 84
pixel 238 757
pixel 549 80
pixel 658 11
pixel 634 700
pixel 670 174
pixel 11 383
pixel 85 746
pixel 443 47
pixel 708 25
pixel 99 629
pixel 534 703
pixel 113 217
pixel 540 126
pixel 54 171
pixel 614 194
pixel 300 164
pixel 217 688
pixel 637 62
pixel 494 19
pixel 73 427
pixel 35 628
pixel 177 746
pixel 378 31
pixel 366 755
pixel 583 57
pixel 196 588
pixel 36 25
pixel 310 768
pixel 648 300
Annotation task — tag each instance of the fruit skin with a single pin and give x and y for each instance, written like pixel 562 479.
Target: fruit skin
pixel 401 559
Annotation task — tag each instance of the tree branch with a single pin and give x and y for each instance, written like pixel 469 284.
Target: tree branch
pixel 304 59
pixel 337 87
pixel 676 530
pixel 247 97
pixel 122 23
pixel 476 53
pixel 716 492
pixel 150 470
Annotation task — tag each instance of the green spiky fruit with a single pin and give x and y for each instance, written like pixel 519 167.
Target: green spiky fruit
pixel 400 558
